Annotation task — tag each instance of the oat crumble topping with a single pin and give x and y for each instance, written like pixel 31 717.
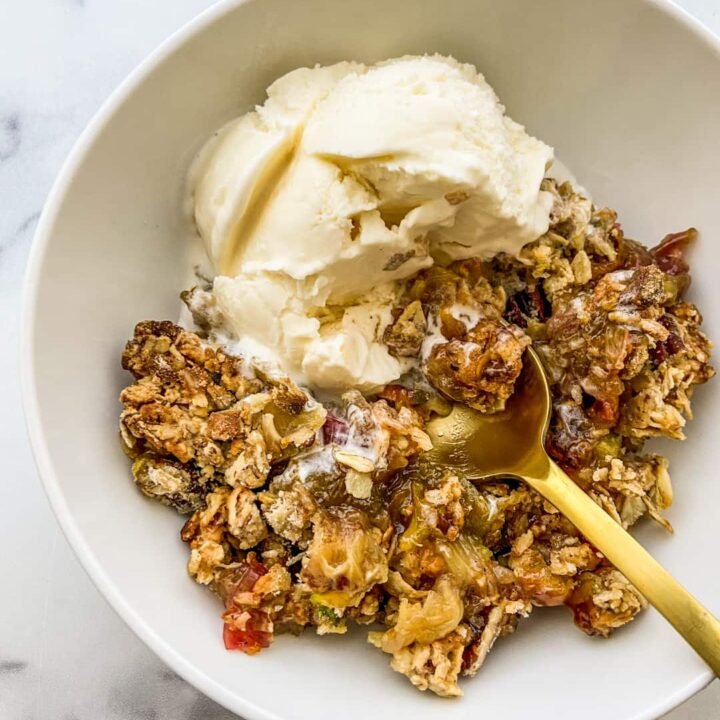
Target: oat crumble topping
pixel 303 515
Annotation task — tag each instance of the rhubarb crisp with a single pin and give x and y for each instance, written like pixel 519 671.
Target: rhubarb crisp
pixel 309 514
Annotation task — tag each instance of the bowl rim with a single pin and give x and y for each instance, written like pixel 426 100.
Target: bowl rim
pixel 38 441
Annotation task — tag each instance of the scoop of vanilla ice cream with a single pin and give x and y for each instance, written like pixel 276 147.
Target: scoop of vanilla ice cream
pixel 431 130
pixel 349 179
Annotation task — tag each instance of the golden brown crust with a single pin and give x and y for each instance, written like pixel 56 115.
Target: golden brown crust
pixel 306 516
pixel 479 370
pixel 404 337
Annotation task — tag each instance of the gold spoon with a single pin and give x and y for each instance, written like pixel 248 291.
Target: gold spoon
pixel 511 443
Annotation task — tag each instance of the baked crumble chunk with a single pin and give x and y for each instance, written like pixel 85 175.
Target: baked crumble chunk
pixel 301 514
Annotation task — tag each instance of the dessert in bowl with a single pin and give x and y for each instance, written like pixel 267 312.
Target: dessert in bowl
pixel 386 238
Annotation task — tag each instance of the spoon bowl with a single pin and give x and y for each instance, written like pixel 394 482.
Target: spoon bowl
pixel 488 445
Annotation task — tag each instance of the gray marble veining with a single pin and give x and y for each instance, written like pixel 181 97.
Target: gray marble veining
pixel 10 667
pixel 64 655
pixel 11 136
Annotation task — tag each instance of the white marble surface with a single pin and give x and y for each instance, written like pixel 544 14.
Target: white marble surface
pixel 64 655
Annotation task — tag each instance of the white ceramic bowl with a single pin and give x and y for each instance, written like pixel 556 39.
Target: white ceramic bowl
pixel 628 91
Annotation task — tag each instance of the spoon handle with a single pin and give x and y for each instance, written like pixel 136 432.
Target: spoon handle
pixel 693 621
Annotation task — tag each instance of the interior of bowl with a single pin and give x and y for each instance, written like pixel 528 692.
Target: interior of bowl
pixel 627 92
